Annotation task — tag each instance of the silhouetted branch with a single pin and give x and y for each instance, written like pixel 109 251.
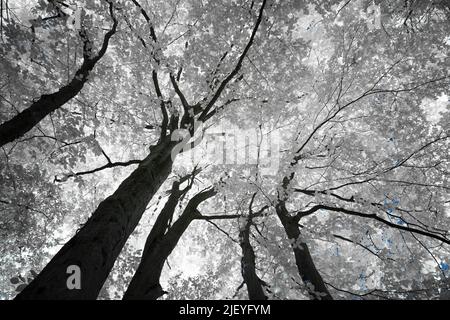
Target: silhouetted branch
pixel 106 166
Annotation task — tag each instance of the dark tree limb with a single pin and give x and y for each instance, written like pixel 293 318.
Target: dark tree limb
pixel 236 69
pixel 162 103
pixel 46 104
pixel 361 245
pixel 106 166
pixel 305 265
pixel 370 216
pixel 145 284
pixel 248 261
pixel 180 94
pixel 352 199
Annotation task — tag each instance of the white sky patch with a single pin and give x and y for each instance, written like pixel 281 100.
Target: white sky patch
pixel 447 40
pixel 428 266
pixel 435 108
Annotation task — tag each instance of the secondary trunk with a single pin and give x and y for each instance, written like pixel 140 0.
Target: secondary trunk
pixel 145 283
pixel 248 265
pixel 305 265
pixel 95 247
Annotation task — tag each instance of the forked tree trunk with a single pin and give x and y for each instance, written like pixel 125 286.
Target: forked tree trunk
pixel 95 247
pixel 145 283
pixel 305 264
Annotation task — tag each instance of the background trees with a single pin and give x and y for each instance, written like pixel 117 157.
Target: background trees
pixel 359 103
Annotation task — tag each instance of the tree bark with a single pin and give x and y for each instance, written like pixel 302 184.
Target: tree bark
pixel 46 104
pixel 30 117
pixel 95 247
pixel 248 265
pixel 305 264
pixel 145 283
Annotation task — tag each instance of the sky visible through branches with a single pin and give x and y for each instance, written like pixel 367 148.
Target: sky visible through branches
pixel 196 149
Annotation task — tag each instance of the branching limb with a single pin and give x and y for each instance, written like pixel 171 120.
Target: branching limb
pixel 27 207
pixel 361 245
pixel 236 69
pixel 106 166
pixel 46 104
pixel 374 217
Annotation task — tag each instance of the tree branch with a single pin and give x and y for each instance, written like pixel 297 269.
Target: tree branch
pixel 180 94
pixel 361 245
pixel 236 69
pixel 46 104
pixel 106 166
pixel 371 216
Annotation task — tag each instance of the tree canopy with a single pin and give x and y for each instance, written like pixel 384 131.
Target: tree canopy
pixel 197 149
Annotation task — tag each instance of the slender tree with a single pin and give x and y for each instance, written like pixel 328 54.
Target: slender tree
pixel 255 286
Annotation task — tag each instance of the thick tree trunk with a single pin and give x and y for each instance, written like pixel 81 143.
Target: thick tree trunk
pixel 145 283
pixel 305 265
pixel 97 244
pixel 248 266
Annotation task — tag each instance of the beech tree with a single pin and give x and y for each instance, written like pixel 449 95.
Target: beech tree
pixel 97 244
pixel 321 129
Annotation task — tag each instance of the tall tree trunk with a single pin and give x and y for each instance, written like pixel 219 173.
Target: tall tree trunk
pixel 145 283
pixel 95 247
pixel 305 265
pixel 46 104
pixel 248 265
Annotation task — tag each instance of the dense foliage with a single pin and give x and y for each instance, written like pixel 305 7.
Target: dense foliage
pixel 348 104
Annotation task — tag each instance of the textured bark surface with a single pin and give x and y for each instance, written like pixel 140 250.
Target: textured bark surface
pixel 248 266
pixel 95 247
pixel 145 283
pixel 305 264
